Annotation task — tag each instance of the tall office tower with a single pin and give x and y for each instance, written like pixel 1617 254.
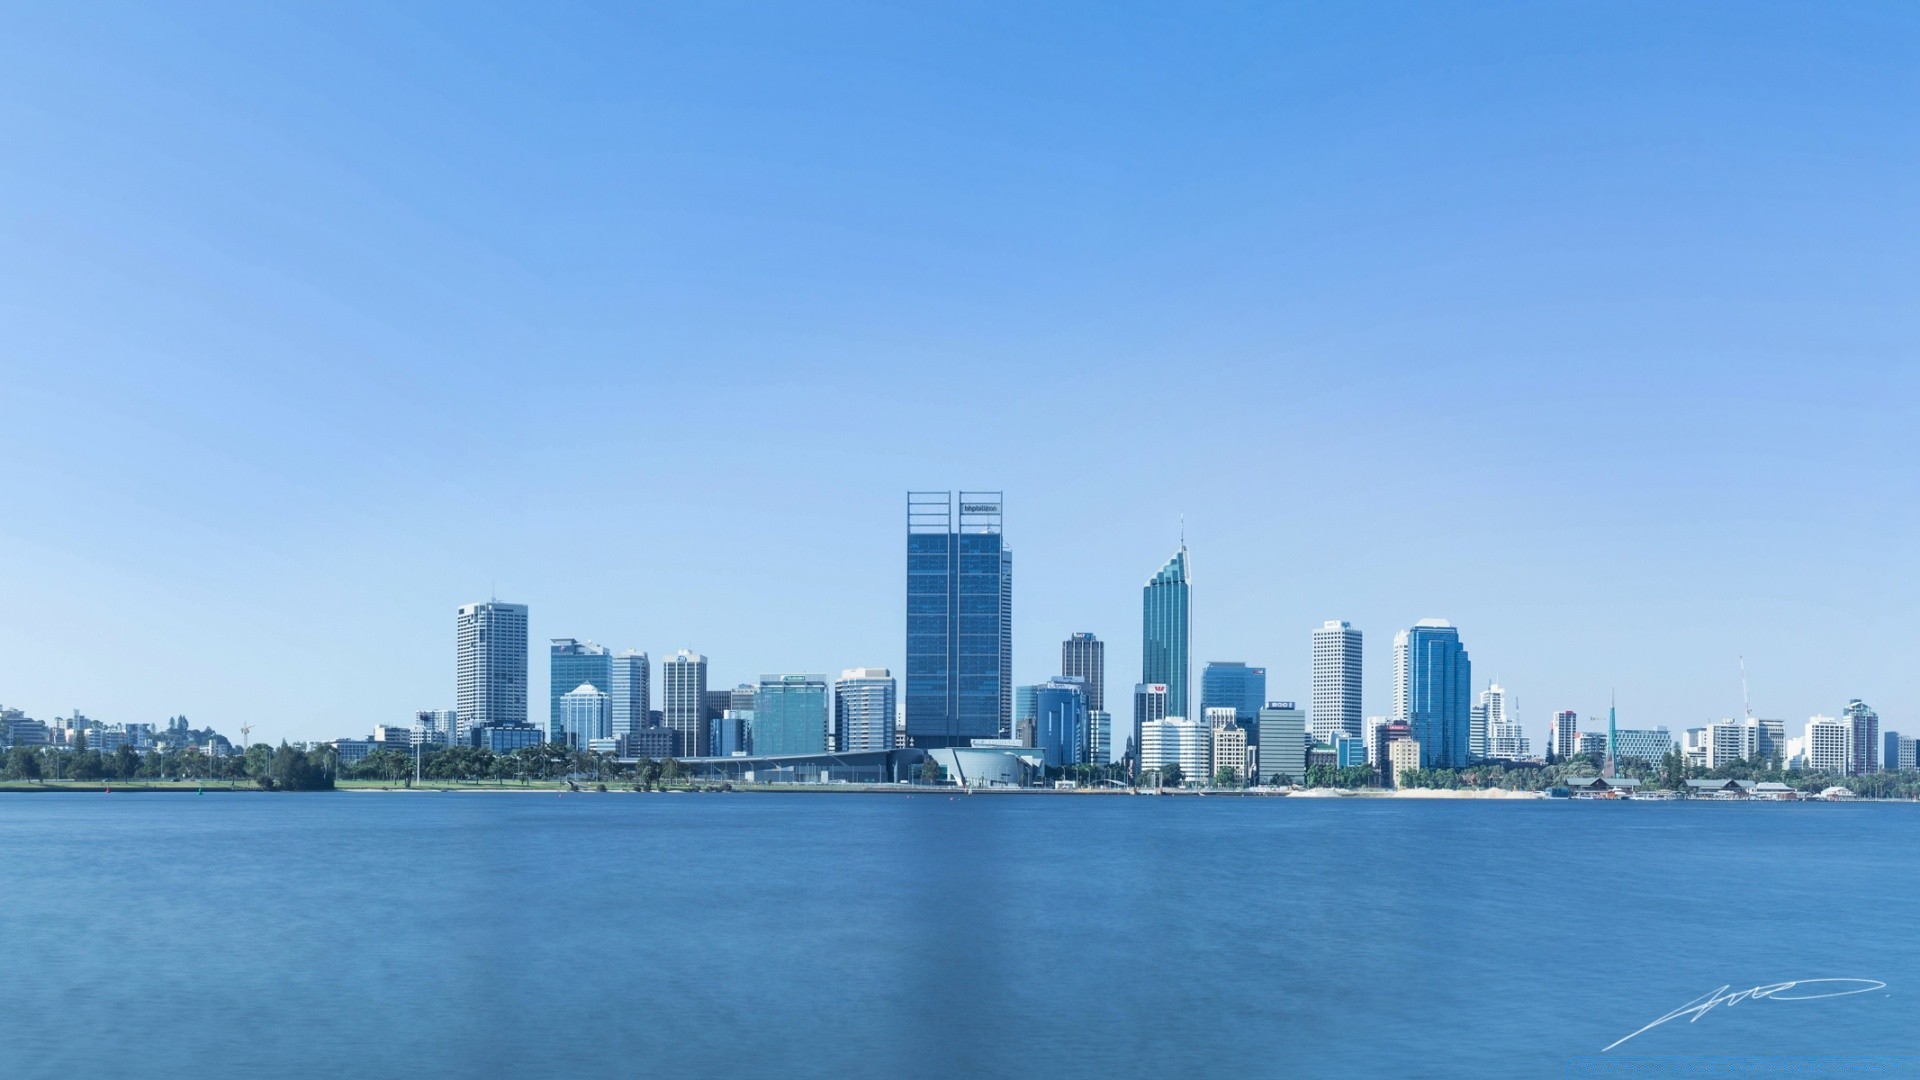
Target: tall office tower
pixel 1283 742
pixel 683 701
pixel 1166 631
pixel 1865 734
pixel 959 619
pixel 790 715
pixel 863 709
pixel 1230 684
pixel 491 664
pixel 1432 691
pixel 632 692
pixel 1100 732
pixel 1149 704
pixel 1477 732
pixel 586 714
pixel 570 664
pixel 1494 717
pixel 1060 720
pixel 718 702
pixel 1566 733
pixel 1829 745
pixel 1336 681
pixel 1085 656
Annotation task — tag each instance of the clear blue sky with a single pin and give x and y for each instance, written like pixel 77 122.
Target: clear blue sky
pixel 1591 327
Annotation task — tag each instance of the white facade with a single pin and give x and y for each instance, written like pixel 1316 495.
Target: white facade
pixel 1829 744
pixel 1176 741
pixel 438 727
pixel 863 708
pixel 683 701
pixel 490 646
pixel 1728 741
pixel 1229 745
pixel 1508 741
pixel 1336 680
pixel 1374 724
pixel 1566 732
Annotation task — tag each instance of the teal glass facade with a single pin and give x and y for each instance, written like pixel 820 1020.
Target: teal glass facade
pixel 1166 632
pixel 1435 694
pixel 571 663
pixel 790 715
pixel 1227 684
pixel 1060 721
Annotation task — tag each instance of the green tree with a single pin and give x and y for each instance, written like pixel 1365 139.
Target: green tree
pixel 1226 776
pixel 1171 776
pixel 297 770
pixel 23 764
pixel 671 770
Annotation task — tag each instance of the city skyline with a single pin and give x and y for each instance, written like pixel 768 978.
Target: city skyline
pixel 295 376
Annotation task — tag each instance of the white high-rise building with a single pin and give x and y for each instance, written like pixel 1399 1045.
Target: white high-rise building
pixel 438 727
pixel 863 708
pixel 1176 741
pixel 1829 746
pixel 586 714
pixel 683 701
pixel 632 692
pixel 491 664
pixel 1336 681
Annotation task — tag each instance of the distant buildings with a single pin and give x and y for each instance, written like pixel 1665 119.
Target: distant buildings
pixel 1166 616
pixel 1566 734
pixel 1281 731
pixel 1229 743
pixel 1431 691
pixel 1402 754
pixel 683 701
pixel 1502 737
pixel 1648 745
pixel 1829 745
pixel 585 714
pixel 959 684
pixel 1175 741
pixel 1085 657
pixel 1336 680
pixel 1100 734
pixel 863 707
pixel 1231 684
pixel 571 663
pixel 1060 721
pixel 632 692
pixel 790 715
pixel 439 727
pixel 1864 732
pixel 1149 704
pixel 491 664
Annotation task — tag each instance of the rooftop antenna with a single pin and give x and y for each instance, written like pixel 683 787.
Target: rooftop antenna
pixel 1746 699
pixel 1183 529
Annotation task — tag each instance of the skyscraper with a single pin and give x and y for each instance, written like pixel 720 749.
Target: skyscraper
pixel 1336 681
pixel 1231 684
pixel 863 709
pixel 1283 742
pixel 586 714
pixel 790 715
pixel 1060 720
pixel 1166 631
pixel 683 701
pixel 491 664
pixel 571 663
pixel 632 692
pixel 1566 733
pixel 1865 737
pixel 1494 719
pixel 1432 691
pixel 1149 704
pixel 1085 656
pixel 959 619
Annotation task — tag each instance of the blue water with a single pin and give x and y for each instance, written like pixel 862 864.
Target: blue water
pixel 462 935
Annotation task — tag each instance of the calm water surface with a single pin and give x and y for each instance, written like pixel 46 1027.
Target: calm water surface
pixel 461 935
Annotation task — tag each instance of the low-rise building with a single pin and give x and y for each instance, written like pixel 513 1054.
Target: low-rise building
pixel 1229 745
pixel 1402 754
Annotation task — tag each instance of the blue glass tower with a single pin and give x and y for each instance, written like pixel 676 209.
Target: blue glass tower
pixel 1166 632
pixel 790 715
pixel 959 619
pixel 570 664
pixel 1230 684
pixel 1432 680
pixel 1060 720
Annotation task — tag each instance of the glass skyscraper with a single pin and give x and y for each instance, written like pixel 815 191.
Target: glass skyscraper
pixel 790 715
pixel 1432 692
pixel 1166 607
pixel 1230 684
pixel 959 619
pixel 632 693
pixel 586 714
pixel 570 664
pixel 1060 720
pixel 683 701
pixel 491 664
